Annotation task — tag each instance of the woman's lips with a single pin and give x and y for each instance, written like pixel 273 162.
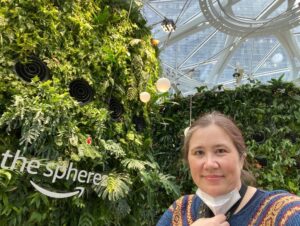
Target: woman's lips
pixel 213 177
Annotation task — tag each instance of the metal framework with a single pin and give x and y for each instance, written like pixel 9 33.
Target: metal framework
pixel 214 37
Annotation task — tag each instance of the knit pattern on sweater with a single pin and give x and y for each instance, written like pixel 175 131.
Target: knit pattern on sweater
pixel 276 208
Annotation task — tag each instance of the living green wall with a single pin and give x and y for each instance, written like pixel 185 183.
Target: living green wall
pixel 70 77
pixel 269 117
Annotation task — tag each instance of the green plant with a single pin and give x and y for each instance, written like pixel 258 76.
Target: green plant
pixel 104 49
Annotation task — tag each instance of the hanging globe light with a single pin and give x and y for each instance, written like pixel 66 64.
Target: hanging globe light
pixel 163 85
pixel 186 130
pixel 145 97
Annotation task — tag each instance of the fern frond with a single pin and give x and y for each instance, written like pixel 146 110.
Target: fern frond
pixel 114 186
pixel 86 219
pixel 88 151
pixel 120 89
pixel 113 148
pixel 169 186
pixel 134 164
pixel 29 136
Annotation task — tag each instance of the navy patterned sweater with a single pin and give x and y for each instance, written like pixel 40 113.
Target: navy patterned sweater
pixel 275 208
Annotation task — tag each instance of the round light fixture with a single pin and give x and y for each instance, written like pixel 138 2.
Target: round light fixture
pixel 163 85
pixel 277 58
pixel 145 97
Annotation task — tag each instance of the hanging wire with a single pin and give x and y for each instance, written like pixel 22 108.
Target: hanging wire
pixel 191 105
pixel 184 8
pixel 190 118
pixel 251 65
pixel 176 21
pixel 130 9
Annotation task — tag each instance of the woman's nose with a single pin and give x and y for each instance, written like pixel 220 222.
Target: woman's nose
pixel 210 162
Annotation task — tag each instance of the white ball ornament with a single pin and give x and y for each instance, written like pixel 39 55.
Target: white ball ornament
pixel 145 97
pixel 186 130
pixel 163 85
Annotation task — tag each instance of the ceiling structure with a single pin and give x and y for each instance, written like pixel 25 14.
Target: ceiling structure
pixel 215 39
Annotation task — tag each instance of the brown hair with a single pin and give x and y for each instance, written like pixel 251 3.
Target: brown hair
pixel 229 126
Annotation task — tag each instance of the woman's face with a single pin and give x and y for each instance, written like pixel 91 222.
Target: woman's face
pixel 214 161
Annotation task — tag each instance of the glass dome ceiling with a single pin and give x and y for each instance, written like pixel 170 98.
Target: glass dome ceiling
pixel 216 39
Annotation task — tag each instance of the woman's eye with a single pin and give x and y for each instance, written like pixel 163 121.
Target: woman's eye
pixel 221 151
pixel 199 152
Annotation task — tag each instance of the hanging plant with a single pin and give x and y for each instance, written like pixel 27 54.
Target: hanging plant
pixel 81 91
pixel 33 67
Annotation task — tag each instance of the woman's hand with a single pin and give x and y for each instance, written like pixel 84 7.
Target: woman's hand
pixel 218 220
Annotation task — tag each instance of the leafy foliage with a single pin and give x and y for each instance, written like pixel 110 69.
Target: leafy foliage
pixel 94 41
pixel 114 186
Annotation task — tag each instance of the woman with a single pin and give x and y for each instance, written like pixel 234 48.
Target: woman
pixel 215 152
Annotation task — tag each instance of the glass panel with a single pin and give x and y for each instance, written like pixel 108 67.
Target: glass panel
pixel 261 56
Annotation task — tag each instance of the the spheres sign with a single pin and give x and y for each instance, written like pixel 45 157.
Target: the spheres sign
pixel 12 162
